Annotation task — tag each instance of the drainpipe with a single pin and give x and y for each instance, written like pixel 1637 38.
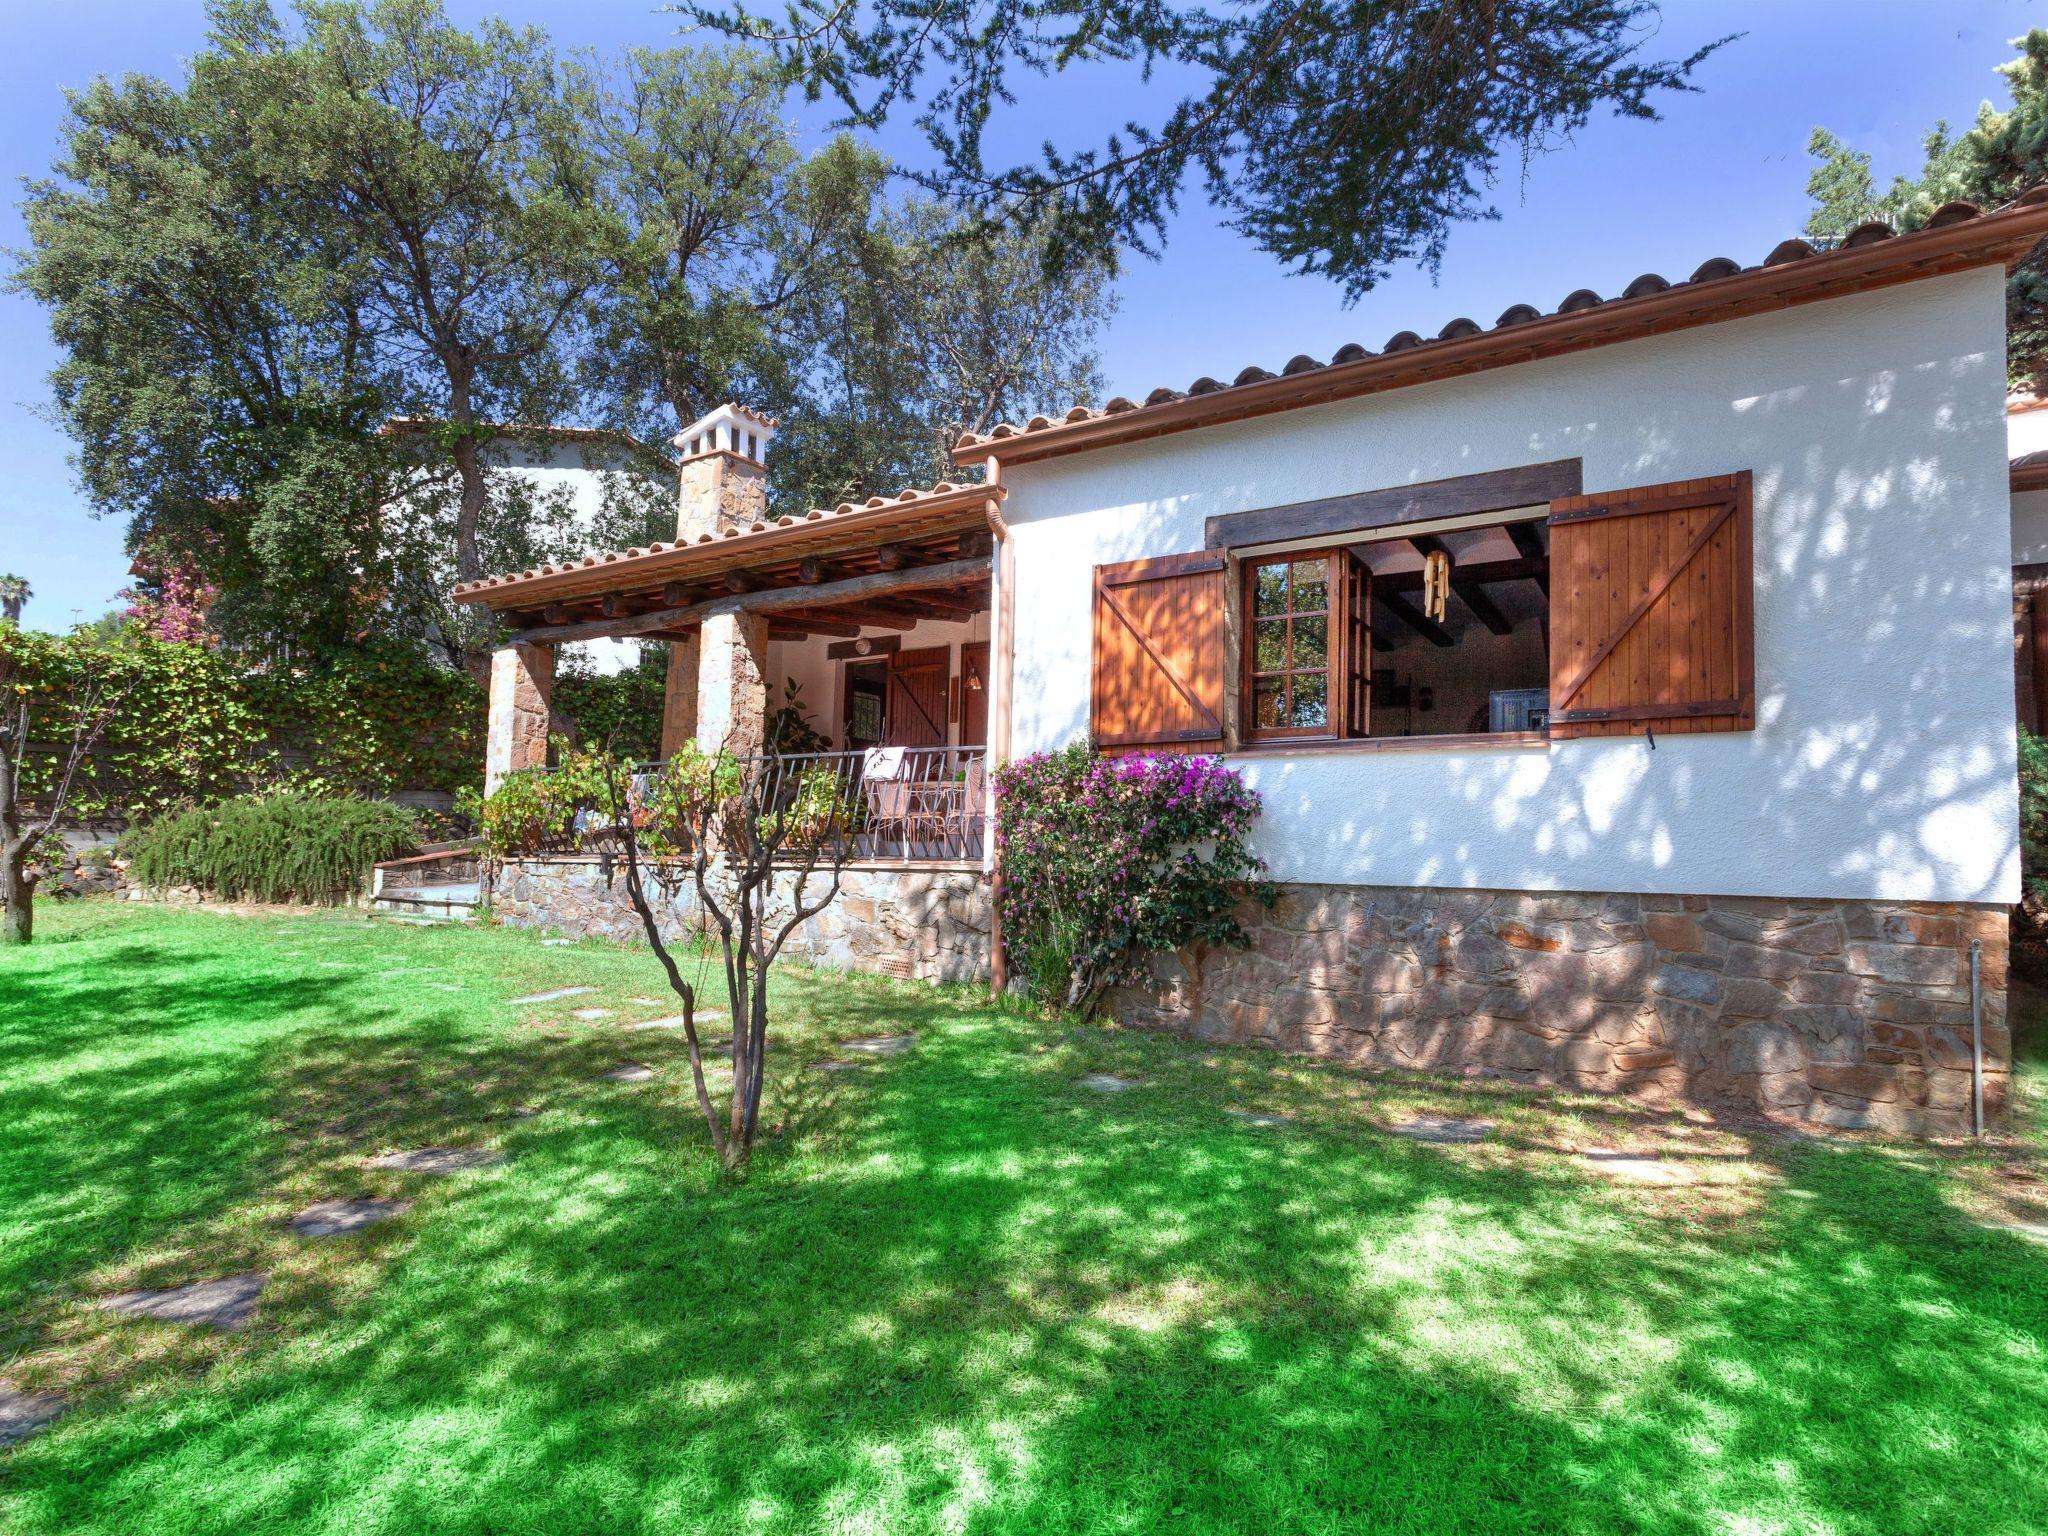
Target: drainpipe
pixel 1002 625
pixel 1977 1036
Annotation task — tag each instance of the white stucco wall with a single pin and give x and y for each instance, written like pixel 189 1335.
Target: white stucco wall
pixel 1882 764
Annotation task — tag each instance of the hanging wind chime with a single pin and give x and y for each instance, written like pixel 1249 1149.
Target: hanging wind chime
pixel 1436 584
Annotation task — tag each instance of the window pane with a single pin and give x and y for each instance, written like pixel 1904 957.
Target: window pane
pixel 1311 642
pixel 1269 701
pixel 1269 589
pixel 1311 703
pixel 1309 580
pixel 1269 645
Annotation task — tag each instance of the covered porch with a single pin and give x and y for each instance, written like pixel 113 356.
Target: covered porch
pixel 860 640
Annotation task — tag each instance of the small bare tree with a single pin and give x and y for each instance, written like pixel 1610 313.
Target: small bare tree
pixel 741 833
pixel 93 698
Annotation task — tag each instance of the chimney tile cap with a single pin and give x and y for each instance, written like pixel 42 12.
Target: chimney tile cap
pixel 731 428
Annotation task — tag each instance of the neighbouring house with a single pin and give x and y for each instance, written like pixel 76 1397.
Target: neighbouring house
pixel 567 485
pixel 1631 687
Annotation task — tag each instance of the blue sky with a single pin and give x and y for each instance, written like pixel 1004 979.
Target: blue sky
pixel 1723 174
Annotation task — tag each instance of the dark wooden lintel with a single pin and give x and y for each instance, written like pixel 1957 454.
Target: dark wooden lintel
pixel 1499 490
pixel 850 650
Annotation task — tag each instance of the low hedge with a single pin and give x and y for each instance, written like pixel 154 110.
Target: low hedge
pixel 284 846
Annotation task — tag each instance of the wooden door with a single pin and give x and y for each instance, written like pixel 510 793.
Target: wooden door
pixel 974 694
pixel 867 705
pixel 918 682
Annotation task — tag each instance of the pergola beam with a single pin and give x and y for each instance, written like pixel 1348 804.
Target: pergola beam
pixel 775 600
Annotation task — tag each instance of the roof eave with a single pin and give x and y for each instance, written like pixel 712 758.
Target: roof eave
pixel 765 542
pixel 2000 238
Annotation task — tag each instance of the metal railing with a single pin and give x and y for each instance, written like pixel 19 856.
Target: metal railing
pixel 910 804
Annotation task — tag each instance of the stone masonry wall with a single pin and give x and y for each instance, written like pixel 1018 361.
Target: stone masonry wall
pixel 1831 1013
pixel 924 924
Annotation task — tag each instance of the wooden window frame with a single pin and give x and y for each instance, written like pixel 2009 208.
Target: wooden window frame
pixel 1347 684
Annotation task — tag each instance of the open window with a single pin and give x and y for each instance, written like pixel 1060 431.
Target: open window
pixel 1308 646
pixel 1393 635
pixel 1428 614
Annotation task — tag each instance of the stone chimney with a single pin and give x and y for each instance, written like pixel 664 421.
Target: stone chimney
pixel 724 471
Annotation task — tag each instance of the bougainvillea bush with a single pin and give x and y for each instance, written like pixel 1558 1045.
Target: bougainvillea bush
pixel 1106 860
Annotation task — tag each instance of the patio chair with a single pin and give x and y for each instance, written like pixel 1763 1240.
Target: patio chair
pixel 888 793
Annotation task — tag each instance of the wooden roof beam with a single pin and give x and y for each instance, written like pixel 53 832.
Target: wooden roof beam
pixel 1413 617
pixel 775 600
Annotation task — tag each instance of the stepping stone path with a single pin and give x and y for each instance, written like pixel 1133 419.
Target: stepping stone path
pixel 225 1304
pixel 552 997
pixel 1632 1169
pixel 1108 1082
pixel 437 1160
pixel 644 1002
pixel 590 1015
pixel 333 1218
pixel 1444 1130
pixel 2032 1231
pixel 630 1072
pixel 1264 1119
pixel 23 1413
pixel 837 1064
pixel 880 1045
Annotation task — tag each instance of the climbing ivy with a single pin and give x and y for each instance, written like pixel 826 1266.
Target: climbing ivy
pixel 196 724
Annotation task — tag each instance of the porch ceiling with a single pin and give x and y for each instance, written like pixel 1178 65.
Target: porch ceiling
pixel 822 549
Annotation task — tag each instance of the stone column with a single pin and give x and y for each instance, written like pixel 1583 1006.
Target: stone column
pixel 679 696
pixel 732 682
pixel 522 681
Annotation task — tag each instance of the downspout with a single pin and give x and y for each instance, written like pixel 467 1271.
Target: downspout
pixel 1977 1037
pixel 1002 624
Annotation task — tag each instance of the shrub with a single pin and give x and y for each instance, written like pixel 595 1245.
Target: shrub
pixel 2034 813
pixel 1108 860
pixel 537 810
pixel 285 846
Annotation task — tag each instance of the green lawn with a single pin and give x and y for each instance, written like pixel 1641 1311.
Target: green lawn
pixel 959 1293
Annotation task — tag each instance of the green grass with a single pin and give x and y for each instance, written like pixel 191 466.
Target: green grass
pixel 957 1293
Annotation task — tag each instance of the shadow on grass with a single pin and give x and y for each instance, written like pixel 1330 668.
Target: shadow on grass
pixel 969 1296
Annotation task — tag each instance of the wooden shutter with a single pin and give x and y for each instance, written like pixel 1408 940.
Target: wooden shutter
pixel 1652 610
pixel 1161 647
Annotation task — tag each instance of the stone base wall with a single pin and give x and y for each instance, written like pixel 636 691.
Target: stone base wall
pixel 917 924
pixel 1843 1014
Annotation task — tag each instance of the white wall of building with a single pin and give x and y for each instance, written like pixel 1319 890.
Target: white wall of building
pixel 1882 764
pixel 574 471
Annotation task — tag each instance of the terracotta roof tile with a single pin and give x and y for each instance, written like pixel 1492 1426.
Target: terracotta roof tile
pixel 1716 269
pixel 944 488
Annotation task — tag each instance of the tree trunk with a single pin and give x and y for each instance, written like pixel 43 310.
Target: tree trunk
pixel 17 894
pixel 469 513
